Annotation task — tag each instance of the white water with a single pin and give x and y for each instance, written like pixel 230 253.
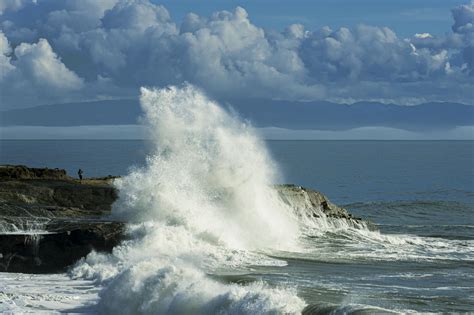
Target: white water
pixel 24 226
pixel 203 204
pixel 45 294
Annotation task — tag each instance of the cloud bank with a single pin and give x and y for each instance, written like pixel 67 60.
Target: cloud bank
pixel 60 51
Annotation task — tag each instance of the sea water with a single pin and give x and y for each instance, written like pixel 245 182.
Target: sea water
pixel 208 234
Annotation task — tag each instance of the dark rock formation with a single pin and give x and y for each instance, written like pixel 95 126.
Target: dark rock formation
pixel 49 220
pixel 55 197
pixel 55 251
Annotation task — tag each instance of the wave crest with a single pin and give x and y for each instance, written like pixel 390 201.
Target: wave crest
pixel 204 202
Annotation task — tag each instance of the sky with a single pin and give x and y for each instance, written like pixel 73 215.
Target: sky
pixel 405 17
pixel 405 52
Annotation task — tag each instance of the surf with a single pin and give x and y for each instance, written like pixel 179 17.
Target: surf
pixel 203 202
pixel 205 205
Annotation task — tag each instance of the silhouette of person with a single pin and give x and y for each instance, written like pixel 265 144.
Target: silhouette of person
pixel 80 172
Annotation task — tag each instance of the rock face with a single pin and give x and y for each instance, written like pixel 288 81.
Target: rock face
pixel 313 203
pixel 51 252
pixel 49 220
pixel 55 197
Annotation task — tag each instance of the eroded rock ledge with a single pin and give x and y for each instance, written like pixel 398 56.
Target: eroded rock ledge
pixel 49 220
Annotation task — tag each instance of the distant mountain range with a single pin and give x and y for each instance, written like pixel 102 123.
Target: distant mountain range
pixel 331 116
pixel 110 112
pixel 262 113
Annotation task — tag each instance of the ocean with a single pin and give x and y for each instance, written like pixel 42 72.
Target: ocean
pixel 207 236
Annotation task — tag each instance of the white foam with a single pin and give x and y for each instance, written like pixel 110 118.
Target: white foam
pixel 204 203
pixel 39 294
pixel 24 226
pixel 209 173
pixel 356 243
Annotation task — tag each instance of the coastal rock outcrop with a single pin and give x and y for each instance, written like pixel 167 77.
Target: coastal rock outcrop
pixel 49 220
pixel 311 203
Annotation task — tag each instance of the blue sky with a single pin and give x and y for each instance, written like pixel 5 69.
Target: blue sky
pixel 406 17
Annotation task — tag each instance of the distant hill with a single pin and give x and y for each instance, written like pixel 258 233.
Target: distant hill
pixel 110 112
pixel 262 113
pixel 331 116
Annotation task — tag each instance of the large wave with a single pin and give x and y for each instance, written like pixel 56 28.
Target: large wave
pixel 202 205
pixel 205 206
pixel 209 173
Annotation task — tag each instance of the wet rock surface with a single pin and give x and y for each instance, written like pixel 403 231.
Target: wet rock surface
pixel 55 251
pixel 49 220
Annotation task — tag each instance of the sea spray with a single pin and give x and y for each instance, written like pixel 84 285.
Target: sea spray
pixel 203 203
pixel 209 172
pixel 203 206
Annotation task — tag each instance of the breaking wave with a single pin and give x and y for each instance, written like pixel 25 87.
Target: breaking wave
pixel 203 205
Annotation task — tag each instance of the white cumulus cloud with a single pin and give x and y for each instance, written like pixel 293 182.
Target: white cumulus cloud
pixel 31 70
pixel 64 50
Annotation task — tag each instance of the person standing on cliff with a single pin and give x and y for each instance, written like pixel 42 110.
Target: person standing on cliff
pixel 79 172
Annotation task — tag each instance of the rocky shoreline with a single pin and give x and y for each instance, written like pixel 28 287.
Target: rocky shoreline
pixel 49 220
